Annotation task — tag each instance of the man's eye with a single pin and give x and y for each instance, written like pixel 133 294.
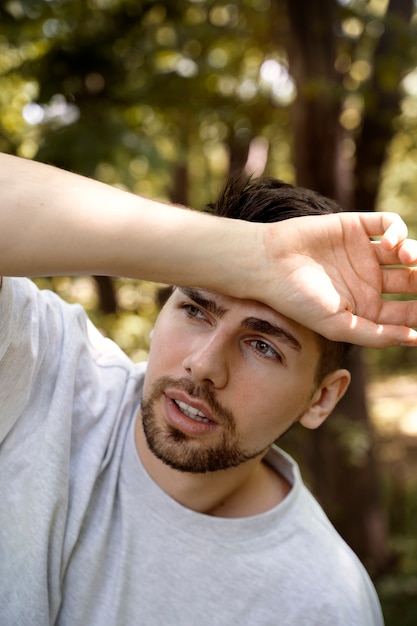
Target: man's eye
pixel 192 310
pixel 263 348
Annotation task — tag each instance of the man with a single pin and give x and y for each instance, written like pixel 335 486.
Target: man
pixel 134 494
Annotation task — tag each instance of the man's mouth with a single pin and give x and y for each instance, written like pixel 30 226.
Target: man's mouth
pixel 191 412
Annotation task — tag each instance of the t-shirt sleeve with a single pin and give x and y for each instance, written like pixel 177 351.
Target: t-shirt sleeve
pixel 31 324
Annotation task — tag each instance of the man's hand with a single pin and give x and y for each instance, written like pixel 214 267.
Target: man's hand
pixel 333 276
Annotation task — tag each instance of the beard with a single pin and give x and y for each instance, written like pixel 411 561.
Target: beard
pixel 183 452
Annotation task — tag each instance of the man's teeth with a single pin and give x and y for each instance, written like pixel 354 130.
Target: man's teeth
pixel 191 412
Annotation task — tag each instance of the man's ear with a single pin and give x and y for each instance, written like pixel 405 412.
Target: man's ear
pixel 325 398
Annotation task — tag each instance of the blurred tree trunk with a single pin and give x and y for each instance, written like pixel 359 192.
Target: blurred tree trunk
pixel 315 113
pixel 238 153
pixel 178 192
pixel 381 105
pixel 106 294
pixel 340 454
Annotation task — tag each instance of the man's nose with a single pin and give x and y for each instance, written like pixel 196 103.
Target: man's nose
pixel 207 361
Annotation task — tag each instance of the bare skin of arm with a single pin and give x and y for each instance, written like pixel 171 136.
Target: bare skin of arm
pixel 323 272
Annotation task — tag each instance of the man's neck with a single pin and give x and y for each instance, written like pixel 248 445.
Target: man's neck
pixel 249 489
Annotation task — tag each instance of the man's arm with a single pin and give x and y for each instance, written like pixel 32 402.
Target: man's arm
pixel 321 271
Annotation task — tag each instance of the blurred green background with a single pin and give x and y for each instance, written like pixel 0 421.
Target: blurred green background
pixel 165 99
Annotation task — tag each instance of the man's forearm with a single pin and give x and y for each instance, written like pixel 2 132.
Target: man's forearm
pixel 55 222
pixel 321 271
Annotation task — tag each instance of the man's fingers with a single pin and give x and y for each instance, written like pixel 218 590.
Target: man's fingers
pixel 389 226
pixel 400 313
pixel 404 254
pixel 408 252
pixel 396 230
pixel 363 332
pixel 385 336
pixel 399 280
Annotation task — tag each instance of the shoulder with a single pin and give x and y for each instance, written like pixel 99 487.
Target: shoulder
pixel 319 562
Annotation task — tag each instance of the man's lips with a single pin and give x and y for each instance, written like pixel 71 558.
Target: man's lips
pixel 191 412
pixel 194 408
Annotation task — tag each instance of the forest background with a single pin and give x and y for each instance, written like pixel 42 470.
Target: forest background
pixel 165 99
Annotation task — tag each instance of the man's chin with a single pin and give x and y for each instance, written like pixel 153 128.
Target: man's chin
pixel 181 453
pixel 182 458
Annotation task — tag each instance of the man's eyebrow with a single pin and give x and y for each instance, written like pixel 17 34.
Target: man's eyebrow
pixel 251 323
pixel 262 326
pixel 206 303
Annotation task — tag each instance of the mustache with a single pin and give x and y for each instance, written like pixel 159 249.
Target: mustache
pixel 201 392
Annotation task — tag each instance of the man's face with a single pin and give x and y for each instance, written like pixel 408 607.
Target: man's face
pixel 226 377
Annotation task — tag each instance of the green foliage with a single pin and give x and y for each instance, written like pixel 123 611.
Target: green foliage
pixel 114 80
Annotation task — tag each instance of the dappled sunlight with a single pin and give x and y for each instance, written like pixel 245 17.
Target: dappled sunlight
pixel 393 405
pixel 408 422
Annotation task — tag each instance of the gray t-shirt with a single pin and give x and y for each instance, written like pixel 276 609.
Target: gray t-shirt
pixel 88 539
